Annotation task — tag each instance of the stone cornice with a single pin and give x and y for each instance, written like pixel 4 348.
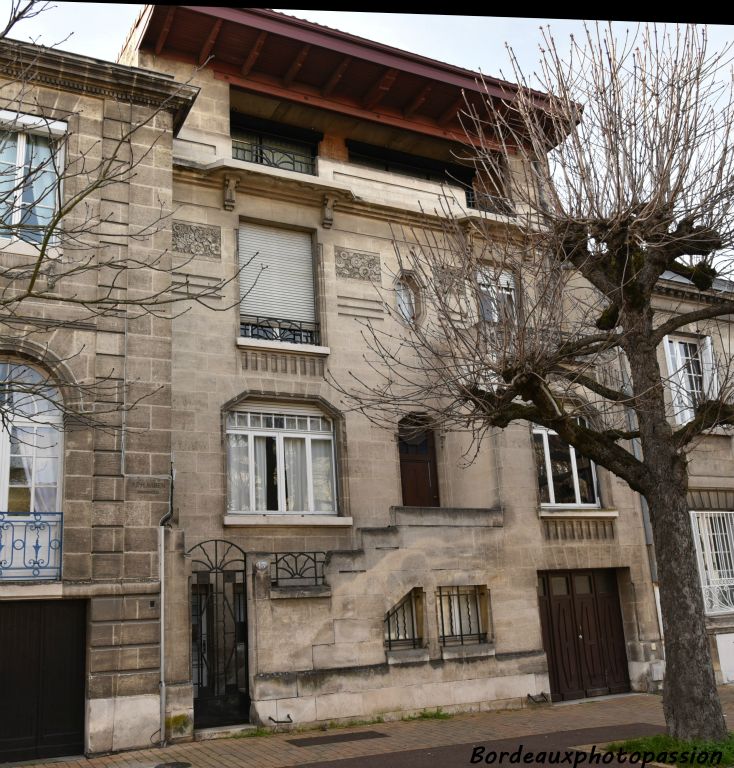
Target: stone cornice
pixel 71 72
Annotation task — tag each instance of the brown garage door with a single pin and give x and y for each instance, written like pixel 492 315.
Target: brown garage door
pixel 42 646
pixel 582 633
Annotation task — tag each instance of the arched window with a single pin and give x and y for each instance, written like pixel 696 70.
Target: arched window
pixel 30 442
pixel 407 298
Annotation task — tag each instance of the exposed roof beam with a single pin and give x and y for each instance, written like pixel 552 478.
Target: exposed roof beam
pixel 165 29
pixel 336 76
pixel 206 49
pixel 380 89
pixel 295 67
pixel 252 56
pixel 419 100
pixel 450 113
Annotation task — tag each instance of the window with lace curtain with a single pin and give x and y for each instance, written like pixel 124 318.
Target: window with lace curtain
pixel 280 461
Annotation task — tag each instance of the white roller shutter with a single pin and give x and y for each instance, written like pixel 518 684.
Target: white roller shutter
pixel 277 273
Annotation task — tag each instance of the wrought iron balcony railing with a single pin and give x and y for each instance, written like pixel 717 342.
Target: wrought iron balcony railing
pixel 489 203
pixel 279 329
pixel 30 546
pixel 718 598
pixel 297 569
pixel 252 150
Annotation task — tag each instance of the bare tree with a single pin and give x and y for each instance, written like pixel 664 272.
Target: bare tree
pixel 66 260
pixel 548 308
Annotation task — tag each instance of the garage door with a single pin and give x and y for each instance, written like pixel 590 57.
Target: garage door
pixel 42 648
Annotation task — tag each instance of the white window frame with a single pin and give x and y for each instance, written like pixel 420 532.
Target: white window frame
pixel 717 584
pixel 22 125
pixel 280 435
pixel 492 283
pixel 682 396
pixel 544 433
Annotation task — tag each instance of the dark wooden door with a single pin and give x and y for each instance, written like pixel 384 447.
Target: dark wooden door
pixel 42 673
pixel 582 633
pixel 418 472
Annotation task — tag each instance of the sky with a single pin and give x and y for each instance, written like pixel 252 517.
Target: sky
pixel 473 42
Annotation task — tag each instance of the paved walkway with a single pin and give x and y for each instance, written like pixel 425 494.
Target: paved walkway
pixel 425 743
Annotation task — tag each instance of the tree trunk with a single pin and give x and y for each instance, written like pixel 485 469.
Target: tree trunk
pixel 690 700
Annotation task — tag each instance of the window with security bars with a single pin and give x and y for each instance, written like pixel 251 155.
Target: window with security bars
pixel 713 535
pixel 404 622
pixel 463 616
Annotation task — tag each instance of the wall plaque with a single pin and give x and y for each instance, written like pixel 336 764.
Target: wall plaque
pixel 197 240
pixel 357 265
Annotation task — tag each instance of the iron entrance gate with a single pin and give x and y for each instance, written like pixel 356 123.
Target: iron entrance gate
pixel 219 634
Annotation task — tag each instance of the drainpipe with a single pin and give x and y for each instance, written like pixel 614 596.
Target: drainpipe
pixel 162 525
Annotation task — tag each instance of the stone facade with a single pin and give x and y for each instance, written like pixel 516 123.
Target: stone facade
pixel 115 481
pixel 279 610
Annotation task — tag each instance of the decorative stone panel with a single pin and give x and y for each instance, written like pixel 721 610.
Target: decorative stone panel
pixel 197 240
pixel 357 265
pixel 570 530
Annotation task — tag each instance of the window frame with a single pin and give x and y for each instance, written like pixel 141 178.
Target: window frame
pixel 280 435
pixel 717 582
pixel 52 419
pixel 544 432
pixel 23 125
pixel 683 397
pixel 480 595
pixel 491 284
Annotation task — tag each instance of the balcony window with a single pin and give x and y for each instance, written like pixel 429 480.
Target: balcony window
pixel 280 462
pixel 565 477
pixel 30 461
pixel 277 285
pixel 713 535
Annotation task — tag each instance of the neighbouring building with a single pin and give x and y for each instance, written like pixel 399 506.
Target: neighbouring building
pixel 318 568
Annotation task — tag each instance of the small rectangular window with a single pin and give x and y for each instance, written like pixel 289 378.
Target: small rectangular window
pixel 404 622
pixel 463 615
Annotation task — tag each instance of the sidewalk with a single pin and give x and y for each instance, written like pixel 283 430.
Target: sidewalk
pixel 610 716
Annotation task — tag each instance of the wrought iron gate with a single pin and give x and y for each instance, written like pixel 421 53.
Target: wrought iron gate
pixel 219 634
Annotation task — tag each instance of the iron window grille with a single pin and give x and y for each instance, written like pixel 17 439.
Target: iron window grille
pixel 297 569
pixel 403 622
pixel 481 201
pixel 279 329
pixel 713 535
pixel 463 616
pixel 273 151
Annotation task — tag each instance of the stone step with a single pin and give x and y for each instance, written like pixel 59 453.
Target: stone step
pixel 223 732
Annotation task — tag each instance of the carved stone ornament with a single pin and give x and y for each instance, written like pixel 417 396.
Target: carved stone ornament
pixel 197 240
pixel 230 192
pixel 358 266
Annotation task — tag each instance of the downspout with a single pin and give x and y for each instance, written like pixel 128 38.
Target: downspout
pixel 162 525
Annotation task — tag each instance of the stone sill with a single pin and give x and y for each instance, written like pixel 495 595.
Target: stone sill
pixel 561 512
pixel 280 593
pixel 271 345
pixel 442 517
pixel 286 519
pixel 407 656
pixel 30 590
pixel 476 650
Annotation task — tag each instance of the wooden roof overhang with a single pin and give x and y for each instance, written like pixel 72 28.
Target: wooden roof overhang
pixel 265 52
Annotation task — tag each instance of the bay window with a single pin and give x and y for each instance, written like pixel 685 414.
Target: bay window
pixel 565 477
pixel 280 461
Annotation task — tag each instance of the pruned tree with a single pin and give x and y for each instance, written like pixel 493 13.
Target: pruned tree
pixel 67 259
pixel 550 307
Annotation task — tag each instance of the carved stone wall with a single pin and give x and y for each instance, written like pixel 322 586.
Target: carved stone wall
pixel 197 240
pixel 357 265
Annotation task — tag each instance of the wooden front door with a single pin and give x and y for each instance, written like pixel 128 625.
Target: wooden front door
pixel 418 472
pixel 42 652
pixel 582 633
